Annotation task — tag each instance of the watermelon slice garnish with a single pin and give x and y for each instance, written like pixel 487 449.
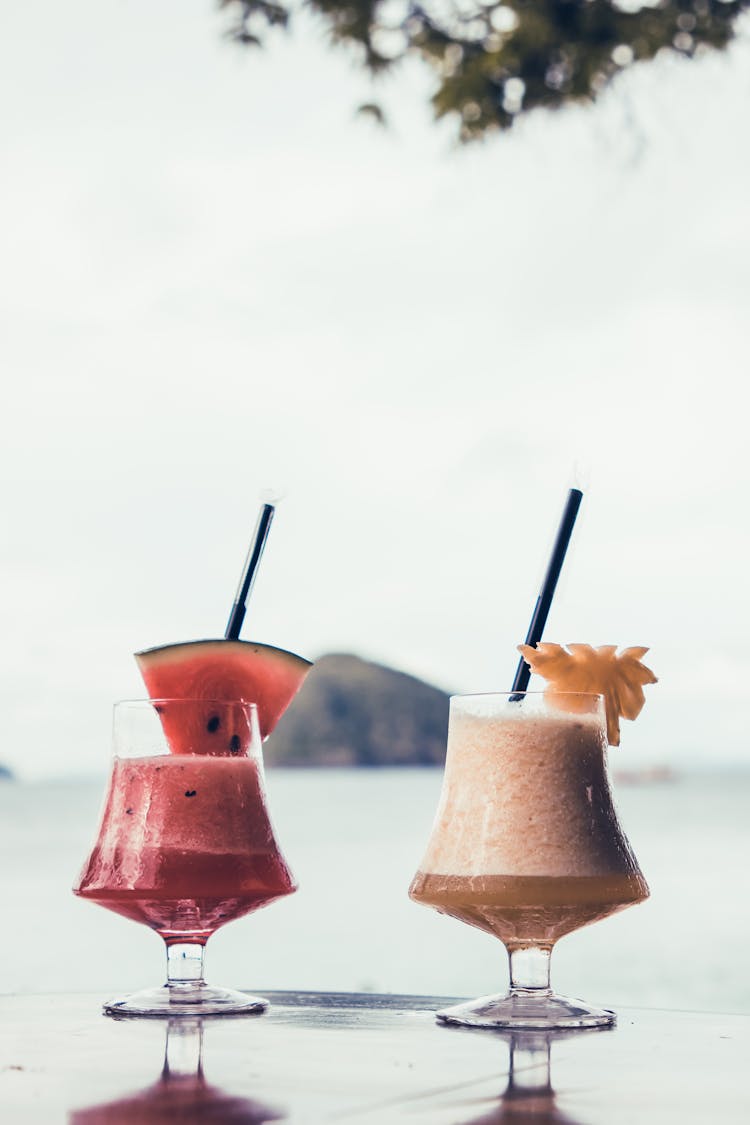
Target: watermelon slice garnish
pixel 223 670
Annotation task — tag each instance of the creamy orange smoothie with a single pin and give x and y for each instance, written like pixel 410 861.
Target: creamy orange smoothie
pixel 526 842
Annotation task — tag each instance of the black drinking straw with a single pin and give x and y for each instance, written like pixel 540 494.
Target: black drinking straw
pixel 249 571
pixel 544 601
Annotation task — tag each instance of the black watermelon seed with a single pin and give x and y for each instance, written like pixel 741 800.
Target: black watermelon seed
pixel 235 743
pixel 190 792
pixel 128 812
pixel 213 724
pixel 158 709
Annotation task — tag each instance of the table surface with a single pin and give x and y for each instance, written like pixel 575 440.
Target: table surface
pixel 339 1057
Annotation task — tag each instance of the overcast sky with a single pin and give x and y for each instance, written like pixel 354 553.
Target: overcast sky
pixel 216 281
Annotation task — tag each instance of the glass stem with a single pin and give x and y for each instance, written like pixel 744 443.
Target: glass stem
pixel 185 966
pixel 529 970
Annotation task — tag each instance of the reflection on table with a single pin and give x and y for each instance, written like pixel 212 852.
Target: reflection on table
pixel 181 1093
pixel 362 1059
pixel 529 1095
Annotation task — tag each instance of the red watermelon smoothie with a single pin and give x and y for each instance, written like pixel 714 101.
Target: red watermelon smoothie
pixel 185 844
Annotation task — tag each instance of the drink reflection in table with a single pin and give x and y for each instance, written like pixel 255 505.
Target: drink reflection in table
pixel 181 1093
pixel 529 1098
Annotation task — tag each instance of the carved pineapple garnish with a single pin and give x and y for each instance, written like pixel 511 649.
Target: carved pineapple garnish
pixel 619 677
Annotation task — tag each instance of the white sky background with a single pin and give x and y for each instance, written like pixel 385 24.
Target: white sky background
pixel 215 281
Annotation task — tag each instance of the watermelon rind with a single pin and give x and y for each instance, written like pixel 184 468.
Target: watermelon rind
pixel 256 646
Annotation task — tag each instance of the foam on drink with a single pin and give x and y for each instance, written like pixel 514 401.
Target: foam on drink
pixel 526 795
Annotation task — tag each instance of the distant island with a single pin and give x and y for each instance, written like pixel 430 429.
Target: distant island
pixel 5 773
pixel 351 712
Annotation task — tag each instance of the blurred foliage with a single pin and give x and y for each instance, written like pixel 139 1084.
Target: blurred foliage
pixel 495 61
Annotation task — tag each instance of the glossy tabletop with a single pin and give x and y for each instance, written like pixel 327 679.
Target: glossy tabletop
pixel 317 1057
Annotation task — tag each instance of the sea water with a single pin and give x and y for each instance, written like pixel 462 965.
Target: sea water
pixel 353 839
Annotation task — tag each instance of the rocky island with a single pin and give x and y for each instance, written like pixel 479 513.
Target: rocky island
pixel 352 712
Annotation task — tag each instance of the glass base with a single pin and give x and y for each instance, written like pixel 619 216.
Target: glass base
pixel 186 1000
pixel 537 1010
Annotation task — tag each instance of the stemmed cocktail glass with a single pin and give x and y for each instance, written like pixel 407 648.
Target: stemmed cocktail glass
pixel 526 844
pixel 185 843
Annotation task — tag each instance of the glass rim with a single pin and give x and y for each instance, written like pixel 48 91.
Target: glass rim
pixel 509 695
pixel 181 699
pixel 147 727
